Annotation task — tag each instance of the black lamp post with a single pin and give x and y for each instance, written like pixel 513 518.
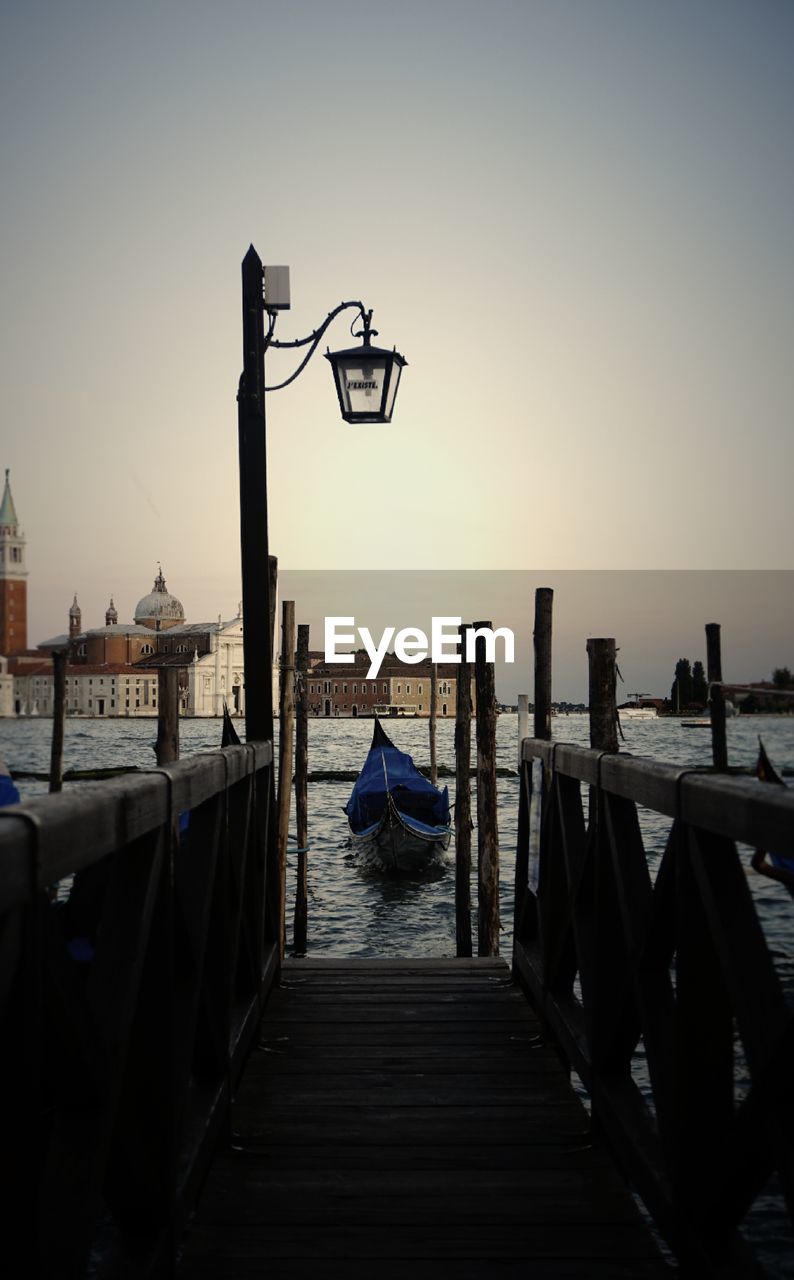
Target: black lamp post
pixel 366 379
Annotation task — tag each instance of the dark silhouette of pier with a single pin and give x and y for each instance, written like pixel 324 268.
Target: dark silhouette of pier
pixel 177 1100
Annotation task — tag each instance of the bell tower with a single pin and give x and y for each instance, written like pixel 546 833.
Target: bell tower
pixel 13 579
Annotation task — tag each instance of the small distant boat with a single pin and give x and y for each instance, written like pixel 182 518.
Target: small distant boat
pixel 704 722
pixel 636 710
pixel 398 820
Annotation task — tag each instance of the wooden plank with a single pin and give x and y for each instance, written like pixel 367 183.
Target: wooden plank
pixel 377 1125
pixel 581 1241
pixel 214 1268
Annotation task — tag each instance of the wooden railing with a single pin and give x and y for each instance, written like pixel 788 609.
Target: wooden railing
pixel 617 954
pixel 127 1010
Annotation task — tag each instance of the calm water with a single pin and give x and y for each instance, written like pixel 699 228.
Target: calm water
pixel 354 912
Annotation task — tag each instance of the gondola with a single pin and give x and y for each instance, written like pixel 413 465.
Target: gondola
pixel 398 820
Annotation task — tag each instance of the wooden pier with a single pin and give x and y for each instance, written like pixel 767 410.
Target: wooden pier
pixel 391 1116
pixel 407 1117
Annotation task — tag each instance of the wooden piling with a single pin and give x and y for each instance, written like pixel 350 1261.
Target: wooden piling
pixel 603 697
pixel 487 829
pixel 285 743
pixel 463 823
pixel 433 712
pixel 167 746
pixel 272 575
pixel 58 717
pixel 523 722
pixel 300 918
pixel 544 597
pixel 719 736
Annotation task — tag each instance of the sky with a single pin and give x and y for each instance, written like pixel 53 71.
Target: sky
pixel 573 217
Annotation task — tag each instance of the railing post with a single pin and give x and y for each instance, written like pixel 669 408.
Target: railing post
pixel 300 919
pixel 433 709
pixel 285 741
pixel 719 739
pixel 463 824
pixel 167 747
pixel 603 699
pixel 544 597
pixel 523 723
pixel 58 715
pixel 487 832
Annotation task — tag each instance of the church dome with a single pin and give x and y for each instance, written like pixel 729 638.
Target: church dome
pixel 159 610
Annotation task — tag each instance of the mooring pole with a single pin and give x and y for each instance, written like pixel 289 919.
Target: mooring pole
pixel 257 629
pixel 544 597
pixel 433 712
pixel 58 716
pixel 603 696
pixel 463 823
pixel 167 747
pixel 285 742
pixel 300 918
pixel 487 830
pixel 719 735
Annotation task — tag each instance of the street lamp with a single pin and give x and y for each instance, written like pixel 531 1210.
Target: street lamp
pixel 366 379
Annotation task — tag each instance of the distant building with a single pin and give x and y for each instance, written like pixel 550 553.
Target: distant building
pixel 111 669
pixel 6 689
pixel 13 579
pixel 343 689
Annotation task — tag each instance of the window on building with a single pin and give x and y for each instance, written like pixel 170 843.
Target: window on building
pixel 407 688
pixel 399 688
pixel 385 688
pixel 344 688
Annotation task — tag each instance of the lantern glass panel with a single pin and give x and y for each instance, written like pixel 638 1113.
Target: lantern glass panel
pixel 361 384
pixel 391 390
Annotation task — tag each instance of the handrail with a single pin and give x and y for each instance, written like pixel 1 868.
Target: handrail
pixel 615 956
pixel 127 1010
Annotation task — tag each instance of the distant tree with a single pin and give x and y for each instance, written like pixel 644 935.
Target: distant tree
pixel 700 688
pixel 681 692
pixel 782 678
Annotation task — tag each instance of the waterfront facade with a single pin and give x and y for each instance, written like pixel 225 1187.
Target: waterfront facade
pixel 112 670
pixel 344 689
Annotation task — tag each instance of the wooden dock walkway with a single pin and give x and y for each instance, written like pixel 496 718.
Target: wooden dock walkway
pixel 403 1114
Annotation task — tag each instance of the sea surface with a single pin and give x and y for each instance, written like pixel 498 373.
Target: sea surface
pixel 355 911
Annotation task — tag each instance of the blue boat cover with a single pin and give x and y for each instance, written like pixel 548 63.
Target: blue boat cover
pixel 388 769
